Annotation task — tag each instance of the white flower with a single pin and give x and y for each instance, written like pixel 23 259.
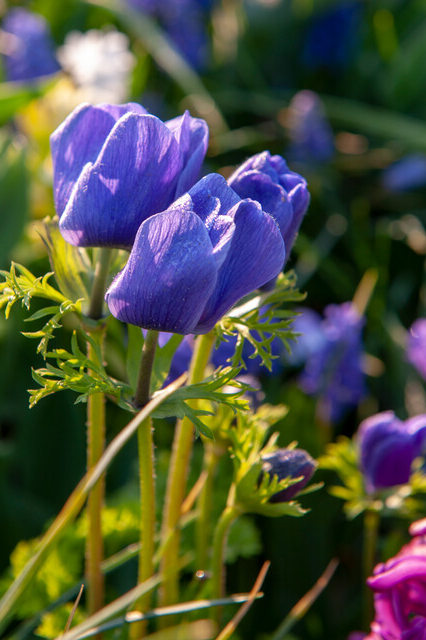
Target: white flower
pixel 99 63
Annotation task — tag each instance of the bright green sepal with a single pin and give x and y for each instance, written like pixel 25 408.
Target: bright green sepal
pixel 71 265
pixel 20 284
pixel 211 390
pixel 260 319
pixel 75 371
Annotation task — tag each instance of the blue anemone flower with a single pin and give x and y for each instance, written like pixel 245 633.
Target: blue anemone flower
pixel 191 263
pixel 116 165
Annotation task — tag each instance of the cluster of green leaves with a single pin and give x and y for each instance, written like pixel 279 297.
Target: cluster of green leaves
pixel 406 500
pixel 260 319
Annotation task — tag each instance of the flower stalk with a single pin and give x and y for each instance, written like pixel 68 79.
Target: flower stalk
pixel 176 482
pixel 229 515
pixel 146 478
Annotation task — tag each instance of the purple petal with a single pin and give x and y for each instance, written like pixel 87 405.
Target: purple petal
pixel 192 135
pixel 256 255
pixel 133 178
pixel 78 140
pixel 170 274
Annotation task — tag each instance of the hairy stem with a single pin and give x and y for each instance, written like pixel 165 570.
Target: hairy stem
pixel 95 449
pixel 176 481
pixel 229 515
pixel 146 479
pixel 99 284
pixel 211 460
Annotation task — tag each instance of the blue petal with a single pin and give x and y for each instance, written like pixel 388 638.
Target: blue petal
pixel 192 135
pixel 134 177
pixel 78 140
pixel 256 255
pixel 170 275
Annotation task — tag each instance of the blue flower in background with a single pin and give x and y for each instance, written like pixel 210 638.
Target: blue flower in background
pixel 191 263
pixel 289 463
pixel 332 36
pixel 310 133
pixel 388 447
pixel 28 45
pixel 311 340
pixel 333 369
pixel 405 174
pixel 185 22
pixel 282 193
pixel 416 346
pixel 116 165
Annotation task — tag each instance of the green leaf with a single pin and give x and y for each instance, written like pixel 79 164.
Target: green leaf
pixel 71 265
pixel 15 95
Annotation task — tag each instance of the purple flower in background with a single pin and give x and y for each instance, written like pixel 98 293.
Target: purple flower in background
pixel 405 174
pixel 333 372
pixel 311 135
pixel 399 587
pixel 191 263
pixel 333 36
pixel 416 346
pixel 289 463
pixel 29 49
pixel 116 165
pixel 281 192
pixel 388 447
pixel 185 22
pixel 311 339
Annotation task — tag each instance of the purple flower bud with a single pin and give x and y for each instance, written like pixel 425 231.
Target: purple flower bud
pixel 191 263
pixel 334 371
pixel 388 447
pixel 289 463
pixel 28 47
pixel 115 166
pixel 399 594
pixel 405 174
pixel 281 192
pixel 416 346
pixel 311 136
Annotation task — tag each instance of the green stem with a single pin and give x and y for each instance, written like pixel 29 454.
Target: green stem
pixel 94 545
pixel 95 447
pixel 205 501
pixel 146 479
pixel 176 481
pixel 228 516
pixel 99 284
pixel 371 530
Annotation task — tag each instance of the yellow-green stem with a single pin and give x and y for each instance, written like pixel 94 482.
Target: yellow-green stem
pixel 96 445
pixel 95 449
pixel 176 481
pixel 146 480
pixel 228 516
pixel 371 530
pixel 211 459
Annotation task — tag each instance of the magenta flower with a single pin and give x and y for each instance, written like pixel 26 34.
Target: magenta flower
pixel 399 587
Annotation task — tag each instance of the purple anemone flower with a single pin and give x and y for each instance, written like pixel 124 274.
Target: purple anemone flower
pixel 333 371
pixel 399 587
pixel 405 174
pixel 191 263
pixel 289 463
pixel 282 193
pixel 29 49
pixel 311 135
pixel 416 346
pixel 388 447
pixel 115 166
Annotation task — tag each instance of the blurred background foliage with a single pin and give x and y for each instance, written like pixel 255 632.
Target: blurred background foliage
pixel 366 62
